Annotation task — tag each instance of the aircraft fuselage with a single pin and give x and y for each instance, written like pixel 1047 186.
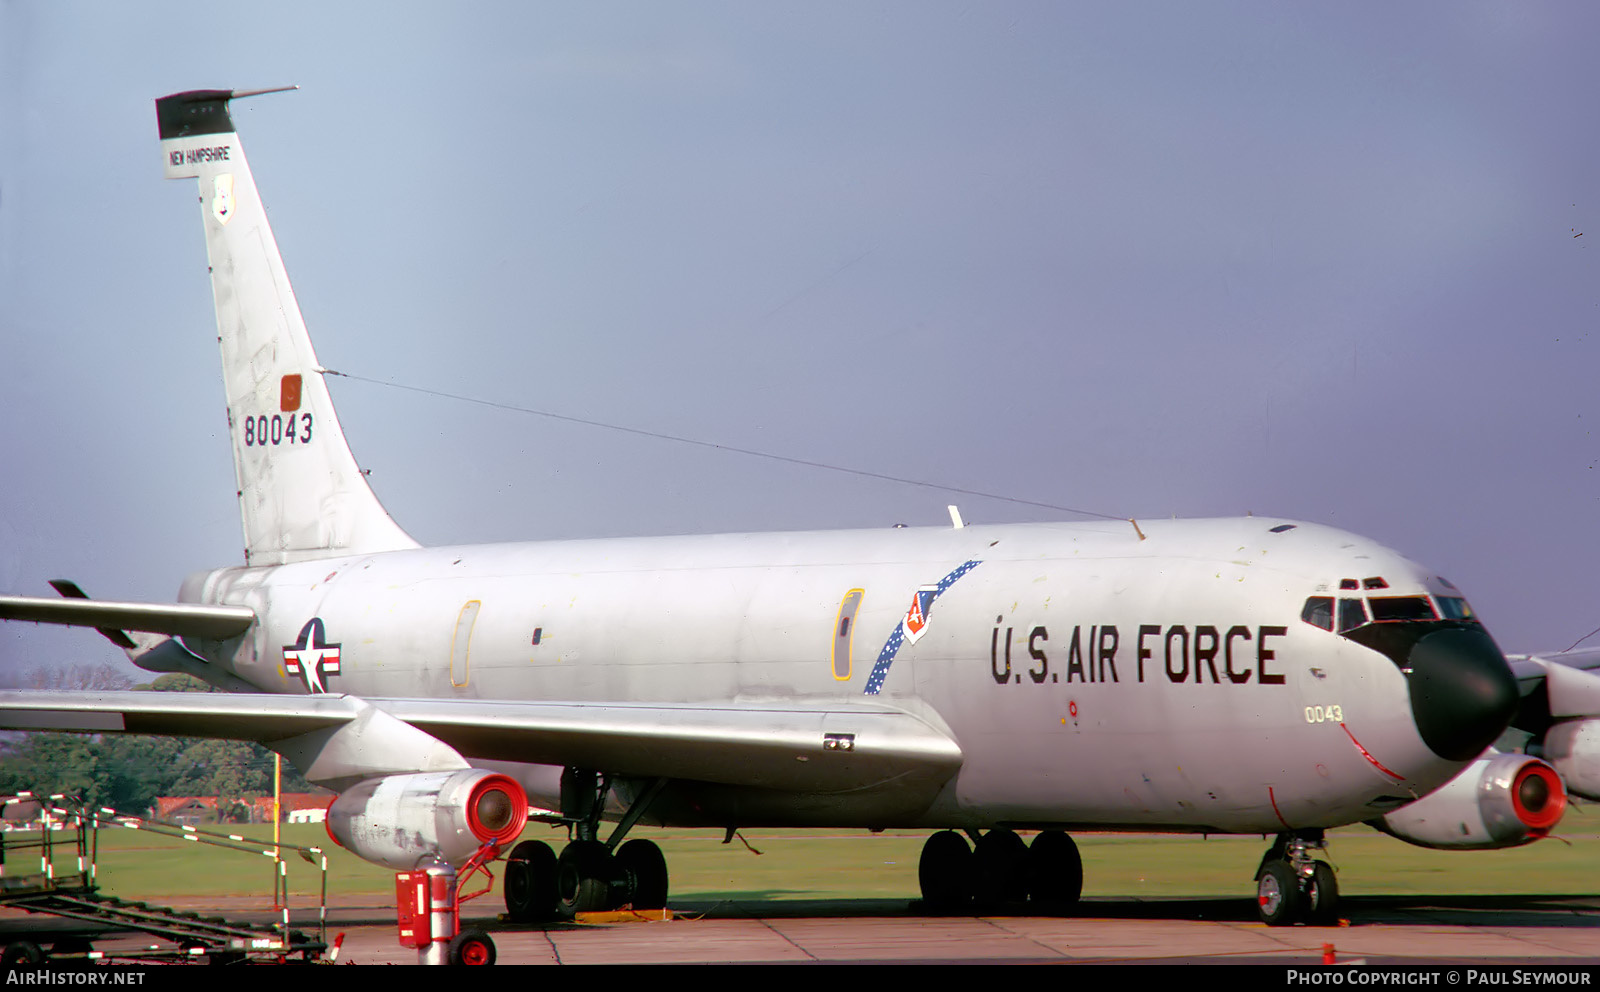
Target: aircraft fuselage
pixel 1090 675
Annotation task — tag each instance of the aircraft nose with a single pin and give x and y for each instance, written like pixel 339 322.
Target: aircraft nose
pixel 1462 692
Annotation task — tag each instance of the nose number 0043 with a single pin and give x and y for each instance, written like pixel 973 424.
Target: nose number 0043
pixel 1324 714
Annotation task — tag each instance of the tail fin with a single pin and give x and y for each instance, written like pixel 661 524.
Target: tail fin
pixel 301 493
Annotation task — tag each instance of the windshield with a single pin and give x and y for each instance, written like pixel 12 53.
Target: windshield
pixel 1456 608
pixel 1401 608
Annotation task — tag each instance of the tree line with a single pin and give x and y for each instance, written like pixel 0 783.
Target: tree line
pixel 127 771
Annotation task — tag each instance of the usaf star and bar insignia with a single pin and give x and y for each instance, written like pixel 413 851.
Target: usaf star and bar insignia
pixel 311 658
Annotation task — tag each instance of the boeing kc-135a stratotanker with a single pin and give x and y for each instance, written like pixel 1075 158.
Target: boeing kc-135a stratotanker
pixel 1247 675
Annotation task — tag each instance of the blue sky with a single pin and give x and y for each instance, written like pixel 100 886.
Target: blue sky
pixel 1311 260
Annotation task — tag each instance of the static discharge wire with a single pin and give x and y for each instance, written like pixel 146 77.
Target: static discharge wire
pixel 719 447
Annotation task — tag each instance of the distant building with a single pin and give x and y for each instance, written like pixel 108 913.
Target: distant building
pixel 21 814
pixel 195 810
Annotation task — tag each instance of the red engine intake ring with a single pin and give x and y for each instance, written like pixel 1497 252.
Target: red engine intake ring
pixel 515 795
pixel 1541 820
pixel 327 821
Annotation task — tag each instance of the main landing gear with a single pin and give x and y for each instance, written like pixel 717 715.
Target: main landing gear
pixel 590 875
pixel 1292 887
pixel 1000 870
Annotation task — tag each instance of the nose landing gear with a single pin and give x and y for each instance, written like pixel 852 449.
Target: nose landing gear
pixel 1293 887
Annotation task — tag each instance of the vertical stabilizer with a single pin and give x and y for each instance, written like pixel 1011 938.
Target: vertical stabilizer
pixel 301 493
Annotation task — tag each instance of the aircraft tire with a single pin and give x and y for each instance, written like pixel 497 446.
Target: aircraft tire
pixel 471 947
pixel 1054 872
pixel 530 885
pixel 1279 851
pixel 21 953
pixel 583 878
pixel 945 873
pixel 1001 859
pixel 1278 897
pixel 644 870
pixel 1322 897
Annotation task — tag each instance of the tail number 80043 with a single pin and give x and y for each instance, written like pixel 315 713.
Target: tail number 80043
pixel 277 429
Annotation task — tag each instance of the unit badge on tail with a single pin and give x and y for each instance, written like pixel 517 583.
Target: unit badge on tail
pixel 311 658
pixel 222 197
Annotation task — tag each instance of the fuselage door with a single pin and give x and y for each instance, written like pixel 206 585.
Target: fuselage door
pixel 461 643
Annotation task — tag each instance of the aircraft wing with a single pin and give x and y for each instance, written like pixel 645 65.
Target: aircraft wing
pixel 1556 687
pixel 831 747
pixel 838 746
pixel 212 623
pixel 1587 659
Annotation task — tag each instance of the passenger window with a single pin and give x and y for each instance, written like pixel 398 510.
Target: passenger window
pixel 1352 614
pixel 1318 612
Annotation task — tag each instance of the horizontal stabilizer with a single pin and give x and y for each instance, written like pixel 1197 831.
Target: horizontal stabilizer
pixel 211 623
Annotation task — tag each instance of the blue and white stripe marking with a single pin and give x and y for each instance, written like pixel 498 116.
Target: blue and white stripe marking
pixel 891 647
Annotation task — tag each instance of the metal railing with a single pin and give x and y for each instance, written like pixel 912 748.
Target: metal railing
pixel 72 861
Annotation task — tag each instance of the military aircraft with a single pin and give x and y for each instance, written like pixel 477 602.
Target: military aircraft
pixel 1250 675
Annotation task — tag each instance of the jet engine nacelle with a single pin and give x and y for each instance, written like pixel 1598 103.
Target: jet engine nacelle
pixel 1573 747
pixel 401 820
pixel 1500 800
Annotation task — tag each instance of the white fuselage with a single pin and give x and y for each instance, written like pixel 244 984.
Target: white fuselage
pixel 1090 675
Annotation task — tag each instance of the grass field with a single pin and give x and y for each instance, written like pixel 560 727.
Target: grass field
pixel 833 865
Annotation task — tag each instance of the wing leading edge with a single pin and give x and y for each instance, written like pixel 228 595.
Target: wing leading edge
pixel 823 748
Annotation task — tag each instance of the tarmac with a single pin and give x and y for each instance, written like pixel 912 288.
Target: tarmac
pixel 1410 930
pixel 1500 930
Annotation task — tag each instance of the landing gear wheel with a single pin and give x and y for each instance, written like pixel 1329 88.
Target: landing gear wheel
pixel 1054 872
pixel 471 947
pixel 24 953
pixel 644 874
pixel 530 885
pixel 1278 894
pixel 1000 857
pixel 583 878
pixel 945 873
pixel 1279 851
pixel 1322 897
pixel 298 938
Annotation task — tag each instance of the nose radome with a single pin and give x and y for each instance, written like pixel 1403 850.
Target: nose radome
pixel 1463 694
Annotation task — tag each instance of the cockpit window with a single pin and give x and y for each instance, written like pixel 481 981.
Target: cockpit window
pixel 1318 612
pixel 1401 608
pixel 1456 608
pixel 1352 614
